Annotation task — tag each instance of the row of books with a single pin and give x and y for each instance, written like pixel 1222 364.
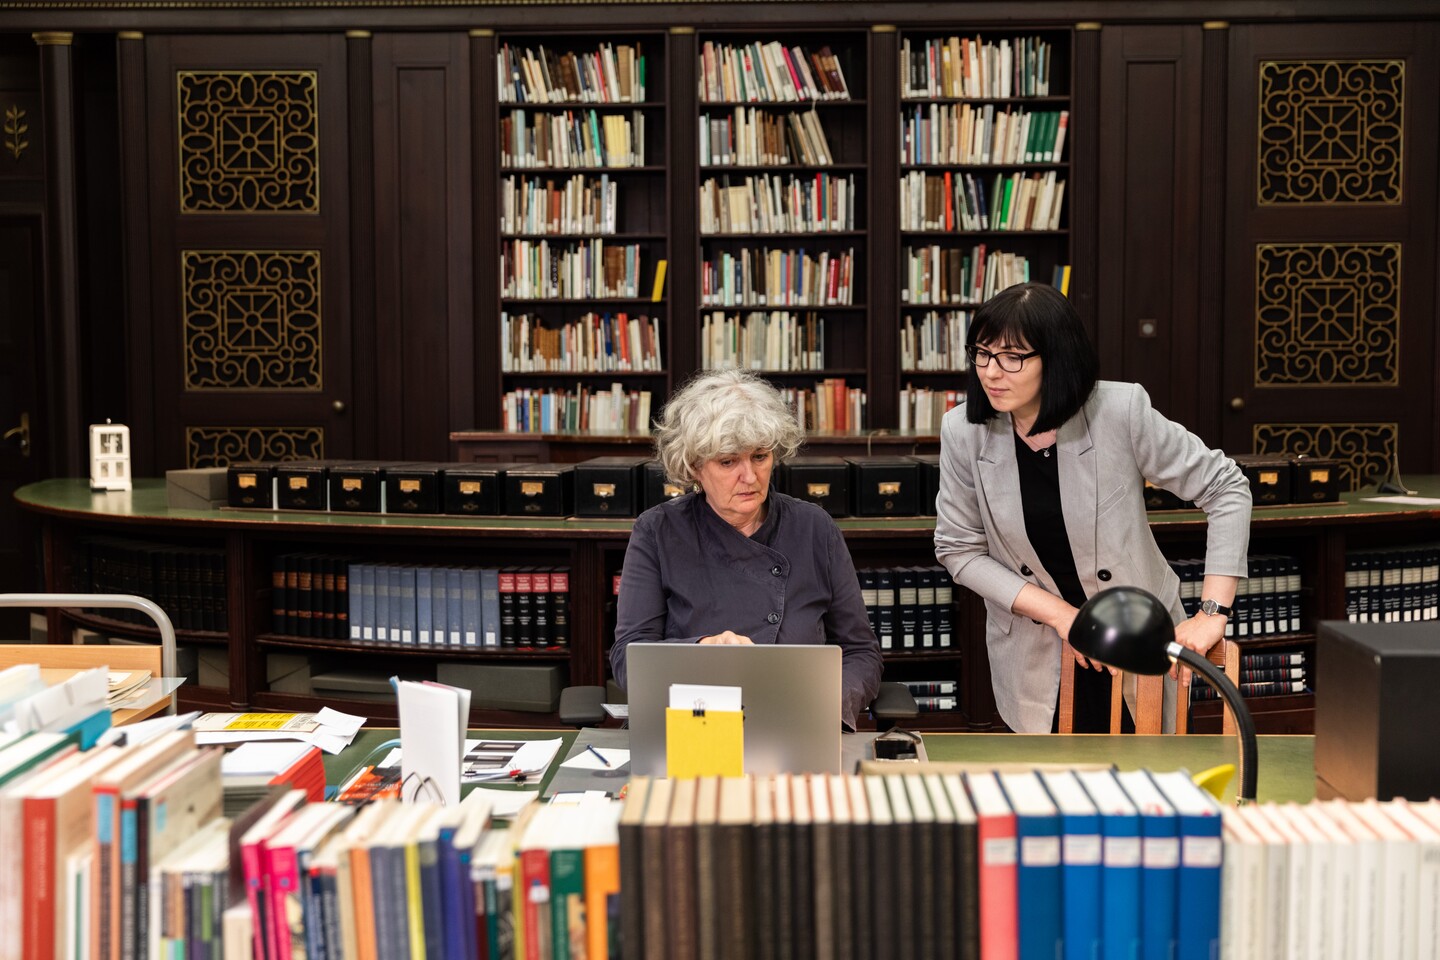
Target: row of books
pixel 539 270
pixel 751 136
pixel 911 609
pixel 778 203
pixel 1273 673
pixel 936 343
pixel 769 73
pixel 575 138
pixel 773 340
pixel 777 278
pixel 938 275
pixel 962 134
pixel 594 342
pixel 188 583
pixel 511 607
pixel 1393 585
pixel 962 67
pixel 609 74
pixel 981 864
pixel 922 408
pixel 579 204
pixel 831 407
pixel 934 696
pixel 945 201
pixel 581 410
pixel 310 595
pixel 1267 602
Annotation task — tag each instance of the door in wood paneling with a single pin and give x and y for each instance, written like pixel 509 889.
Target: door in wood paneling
pixel 1330 244
pixel 249 263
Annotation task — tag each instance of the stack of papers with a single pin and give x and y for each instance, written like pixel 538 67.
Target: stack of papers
pixel 498 761
pixel 330 730
pixel 125 685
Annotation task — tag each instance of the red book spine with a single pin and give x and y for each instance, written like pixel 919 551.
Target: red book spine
pixel 38 932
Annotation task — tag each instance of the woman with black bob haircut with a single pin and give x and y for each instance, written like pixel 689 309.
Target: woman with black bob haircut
pixel 1041 505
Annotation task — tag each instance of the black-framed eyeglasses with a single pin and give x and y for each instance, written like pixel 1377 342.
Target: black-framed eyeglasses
pixel 1009 362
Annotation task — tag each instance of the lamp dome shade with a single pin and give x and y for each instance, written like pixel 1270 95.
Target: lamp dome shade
pixel 1126 628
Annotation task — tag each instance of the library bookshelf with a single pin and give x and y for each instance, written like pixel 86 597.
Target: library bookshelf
pixel 1319 537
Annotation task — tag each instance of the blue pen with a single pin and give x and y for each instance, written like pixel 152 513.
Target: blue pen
pixel 591 748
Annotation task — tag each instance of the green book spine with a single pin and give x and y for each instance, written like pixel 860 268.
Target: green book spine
pixel 567 899
pixel 1005 204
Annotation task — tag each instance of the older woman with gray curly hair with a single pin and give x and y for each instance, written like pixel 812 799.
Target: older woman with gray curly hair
pixel 733 561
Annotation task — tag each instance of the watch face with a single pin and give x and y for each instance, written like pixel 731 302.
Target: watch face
pixel 1209 606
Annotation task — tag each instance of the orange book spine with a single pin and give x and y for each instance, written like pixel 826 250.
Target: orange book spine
pixel 364 912
pixel 602 881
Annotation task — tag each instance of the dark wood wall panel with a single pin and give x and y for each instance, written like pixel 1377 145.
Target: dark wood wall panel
pixel 424 297
pixel 1149 175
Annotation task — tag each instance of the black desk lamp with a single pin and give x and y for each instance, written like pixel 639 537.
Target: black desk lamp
pixel 1130 629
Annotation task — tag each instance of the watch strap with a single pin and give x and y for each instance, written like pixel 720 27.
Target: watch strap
pixel 1214 608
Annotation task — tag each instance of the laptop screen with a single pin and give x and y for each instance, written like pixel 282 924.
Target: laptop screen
pixel 790 693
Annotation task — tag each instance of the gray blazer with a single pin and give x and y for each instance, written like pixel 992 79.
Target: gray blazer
pixel 1107 451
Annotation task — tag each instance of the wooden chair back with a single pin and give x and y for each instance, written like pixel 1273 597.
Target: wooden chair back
pixel 66 656
pixel 1149 695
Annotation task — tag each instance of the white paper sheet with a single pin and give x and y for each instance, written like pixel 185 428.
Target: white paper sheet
pixel 615 758
pixel 687 696
pixel 1409 501
pixel 506 803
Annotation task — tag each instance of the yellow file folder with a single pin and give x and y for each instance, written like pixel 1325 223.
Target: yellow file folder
pixel 701 743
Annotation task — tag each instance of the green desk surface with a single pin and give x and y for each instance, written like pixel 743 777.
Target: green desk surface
pixel 146 503
pixel 1287 764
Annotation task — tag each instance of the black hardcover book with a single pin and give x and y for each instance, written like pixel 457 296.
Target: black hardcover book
pixel 279 617
pixel 927 901
pixel 884 882
pixel 540 592
pixel 560 607
pixel 907 590
pixel 786 893
pixel 886 613
pixel 632 870
pixel 902 900
pixel 925 606
pixel 1257 661
pixel 862 891
pixel 802 838
pixel 342 599
pixel 292 594
pixel 524 607
pixel 944 869
pixel 944 609
pixel 509 633
pixel 763 870
pixel 868 591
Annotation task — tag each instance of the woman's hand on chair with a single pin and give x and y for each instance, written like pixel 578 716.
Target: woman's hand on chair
pixel 1199 633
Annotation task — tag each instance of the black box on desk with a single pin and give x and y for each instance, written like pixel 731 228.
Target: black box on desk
pixel 414 487
pixel 884 486
pixel 657 488
pixel 540 490
pixel 355 486
pixel 929 481
pixel 474 489
pixel 824 481
pixel 202 489
pixel 1376 710
pixel 1269 478
pixel 300 485
pixel 531 688
pixel 1314 480
pixel 609 487
pixel 251 485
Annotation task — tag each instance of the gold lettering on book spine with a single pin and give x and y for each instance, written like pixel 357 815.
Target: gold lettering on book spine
pixel 1330 131
pixel 1327 314
pixel 249 141
pixel 251 319
pixel 1363 449
pixel 222 446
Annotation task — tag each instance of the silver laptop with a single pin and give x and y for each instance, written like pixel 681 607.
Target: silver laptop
pixel 790 694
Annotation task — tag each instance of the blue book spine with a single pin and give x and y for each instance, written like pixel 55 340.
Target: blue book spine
pixel 1120 866
pixel 382 603
pixel 1160 869
pixel 452 896
pixel 431 906
pixel 439 624
pixel 355 601
pixel 367 600
pixel 1081 882
pixel 1037 882
pixel 490 607
pixel 424 621
pixel 1198 931
pixel 453 615
pixel 397 603
pixel 406 604
pixel 470 605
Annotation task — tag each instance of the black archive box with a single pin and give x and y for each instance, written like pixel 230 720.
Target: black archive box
pixel 251 485
pixel 355 486
pixel 540 490
pixel 300 485
pixel 884 486
pixel 824 481
pixel 1376 712
pixel 608 487
pixel 1314 480
pixel 414 487
pixel 1158 498
pixel 929 481
pixel 1269 478
pixel 474 489
pixel 657 488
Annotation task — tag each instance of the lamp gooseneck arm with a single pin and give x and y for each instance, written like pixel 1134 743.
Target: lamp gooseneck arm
pixel 1244 722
